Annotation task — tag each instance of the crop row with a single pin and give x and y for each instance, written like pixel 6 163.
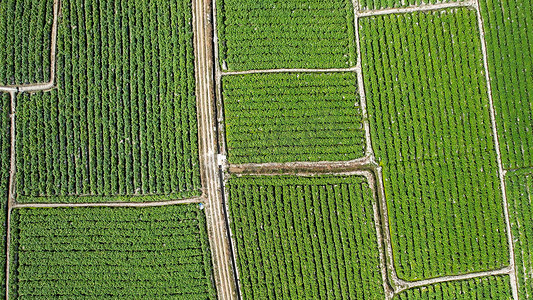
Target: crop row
pixel 59 255
pixel 384 4
pixel 26 27
pixel 122 122
pixel 520 200
pixel 285 34
pixel 509 33
pixel 5 144
pixel 431 131
pixel 305 237
pixel 492 287
pixel 293 117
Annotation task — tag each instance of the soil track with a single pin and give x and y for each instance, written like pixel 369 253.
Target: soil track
pixel 216 222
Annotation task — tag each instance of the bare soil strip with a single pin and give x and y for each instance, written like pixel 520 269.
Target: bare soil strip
pixel 380 216
pixel 112 204
pixel 271 168
pixel 353 69
pixel 501 171
pixel 216 222
pixel 424 7
pixel 503 271
pixel 11 189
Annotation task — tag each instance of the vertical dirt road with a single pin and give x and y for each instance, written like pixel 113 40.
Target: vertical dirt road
pixel 218 236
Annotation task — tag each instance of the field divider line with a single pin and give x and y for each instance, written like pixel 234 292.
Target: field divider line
pixel 414 284
pixel 501 171
pixel 300 166
pixel 112 204
pixel 45 86
pixel 11 189
pixel 218 238
pixel 332 70
pixel 419 8
pixel 379 205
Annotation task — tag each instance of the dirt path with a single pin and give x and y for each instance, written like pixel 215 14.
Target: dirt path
pixel 218 237
pixel 11 190
pixel 514 281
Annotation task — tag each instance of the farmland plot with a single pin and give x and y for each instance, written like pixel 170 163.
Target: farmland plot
pixel 509 33
pixel 492 287
pixel 26 27
pixel 520 197
pixel 122 121
pixel 110 252
pixel 431 131
pixel 293 117
pixel 5 129
pixel 285 34
pixel 305 237
pixel 384 4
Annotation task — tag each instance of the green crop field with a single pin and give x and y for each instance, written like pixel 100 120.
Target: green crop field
pixel 509 33
pixel 383 4
pixel 492 287
pixel 4 177
pixel 431 131
pixel 520 197
pixel 26 27
pixel 121 122
pixel 305 237
pixel 285 34
pixel 121 253
pixel 293 117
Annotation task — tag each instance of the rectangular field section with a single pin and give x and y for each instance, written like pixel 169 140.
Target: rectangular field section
pixel 25 45
pixel 285 34
pixel 431 132
pixel 492 287
pixel 5 143
pixel 384 4
pixel 121 122
pixel 110 252
pixel 287 117
pixel 509 35
pixel 305 237
pixel 520 201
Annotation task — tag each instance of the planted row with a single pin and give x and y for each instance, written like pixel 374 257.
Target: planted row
pixel 305 237
pixel 293 117
pixel 95 252
pixel 431 131
pixel 5 144
pixel 122 121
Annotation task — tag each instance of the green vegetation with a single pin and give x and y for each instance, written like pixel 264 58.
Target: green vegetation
pixel 5 128
pixel 493 287
pixel 509 34
pixel 305 237
pixel 383 4
pixel 26 27
pixel 520 199
pixel 428 109
pixel 293 117
pixel 122 121
pixel 110 252
pixel 285 34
